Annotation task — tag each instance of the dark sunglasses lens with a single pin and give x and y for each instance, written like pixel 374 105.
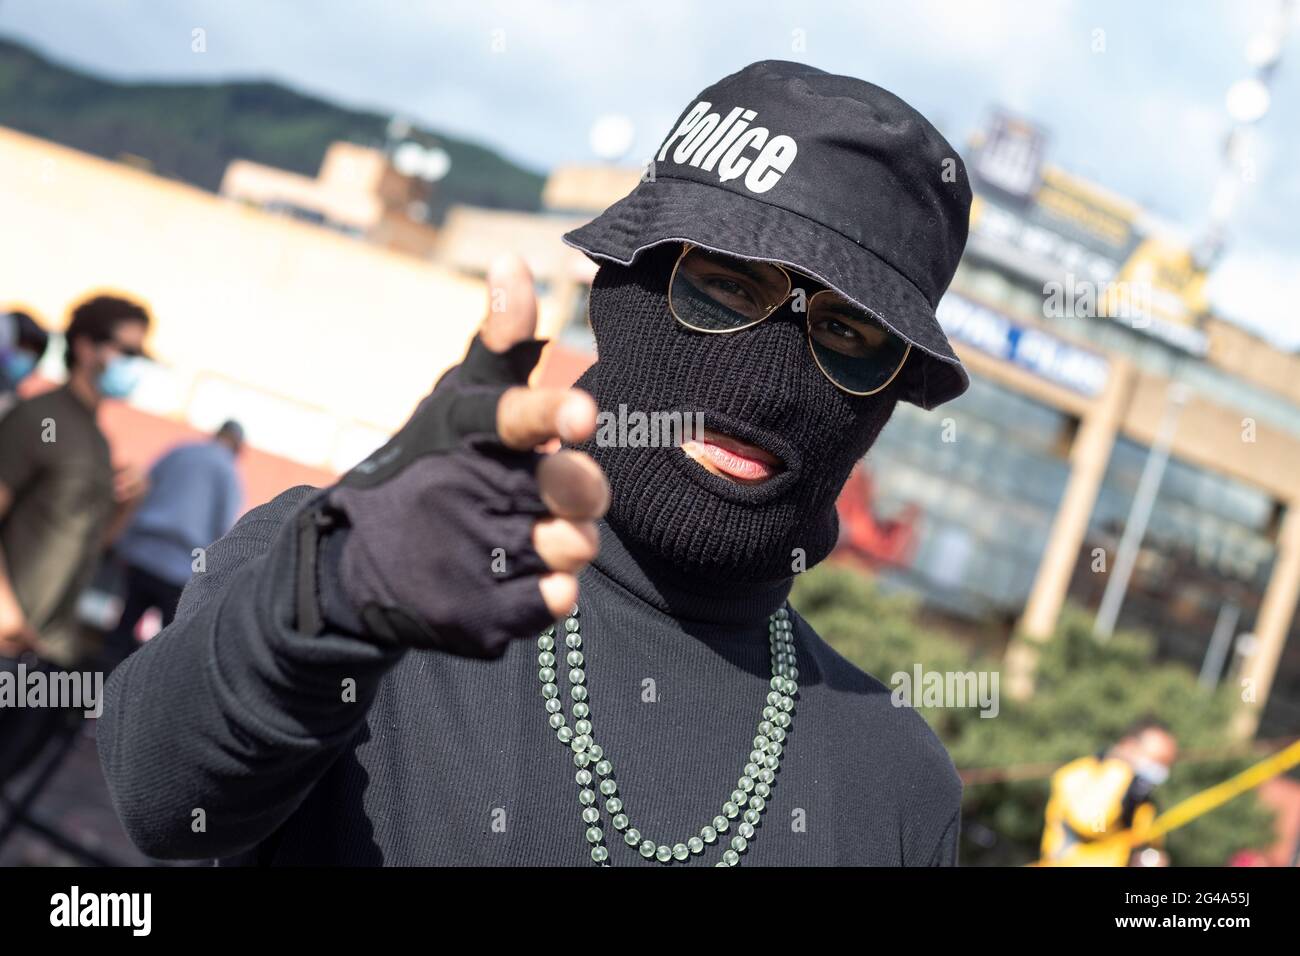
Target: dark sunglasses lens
pixel 854 350
pixel 712 292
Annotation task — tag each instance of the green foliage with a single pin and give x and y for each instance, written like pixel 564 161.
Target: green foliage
pixel 191 131
pixel 1087 693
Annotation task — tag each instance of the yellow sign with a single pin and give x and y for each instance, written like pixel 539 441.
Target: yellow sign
pixel 1173 285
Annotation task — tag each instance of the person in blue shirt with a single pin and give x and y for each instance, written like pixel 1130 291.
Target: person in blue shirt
pixel 193 499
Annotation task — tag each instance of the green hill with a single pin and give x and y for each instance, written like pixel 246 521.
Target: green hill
pixel 190 131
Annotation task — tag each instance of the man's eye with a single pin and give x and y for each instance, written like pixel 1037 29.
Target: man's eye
pixel 840 330
pixel 727 289
pixel 841 337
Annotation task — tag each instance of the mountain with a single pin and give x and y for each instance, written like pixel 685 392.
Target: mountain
pixel 190 131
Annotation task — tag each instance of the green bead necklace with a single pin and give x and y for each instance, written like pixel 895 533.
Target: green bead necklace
pixel 747 801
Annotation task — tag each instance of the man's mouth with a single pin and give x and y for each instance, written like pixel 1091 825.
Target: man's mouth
pixel 732 458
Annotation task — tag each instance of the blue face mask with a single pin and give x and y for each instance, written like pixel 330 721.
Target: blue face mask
pixel 120 376
pixel 16 365
pixel 1152 772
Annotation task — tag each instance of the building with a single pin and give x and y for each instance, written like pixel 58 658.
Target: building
pixel 1086 327
pixel 1080 317
pixel 358 192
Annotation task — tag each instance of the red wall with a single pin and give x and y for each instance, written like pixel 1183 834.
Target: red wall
pixel 138 438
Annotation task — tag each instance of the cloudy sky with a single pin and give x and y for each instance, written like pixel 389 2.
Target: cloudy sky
pixel 1133 94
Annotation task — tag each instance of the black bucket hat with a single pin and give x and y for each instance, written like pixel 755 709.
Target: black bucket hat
pixel 830 175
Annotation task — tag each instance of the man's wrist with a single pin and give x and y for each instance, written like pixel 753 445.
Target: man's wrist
pixel 336 609
pixel 321 604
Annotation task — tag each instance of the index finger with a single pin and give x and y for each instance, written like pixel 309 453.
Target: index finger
pixel 512 304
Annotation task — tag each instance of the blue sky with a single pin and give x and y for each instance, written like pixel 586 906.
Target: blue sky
pixel 1145 117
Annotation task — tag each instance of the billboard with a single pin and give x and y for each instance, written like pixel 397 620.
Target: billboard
pixel 1053 227
pixel 1033 349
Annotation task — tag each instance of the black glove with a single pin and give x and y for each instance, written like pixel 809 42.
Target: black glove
pixel 436 526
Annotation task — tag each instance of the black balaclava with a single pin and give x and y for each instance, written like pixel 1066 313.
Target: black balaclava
pixel 760 385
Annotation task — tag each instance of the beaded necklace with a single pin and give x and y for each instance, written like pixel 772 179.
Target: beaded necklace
pixel 747 801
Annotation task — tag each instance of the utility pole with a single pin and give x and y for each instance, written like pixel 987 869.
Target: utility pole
pixel 1135 528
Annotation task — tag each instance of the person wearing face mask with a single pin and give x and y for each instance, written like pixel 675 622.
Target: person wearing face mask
pixel 58 490
pixel 22 345
pixel 1101 795
pixel 480 648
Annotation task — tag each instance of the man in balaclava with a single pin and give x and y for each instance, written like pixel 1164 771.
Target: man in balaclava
pixel 432 662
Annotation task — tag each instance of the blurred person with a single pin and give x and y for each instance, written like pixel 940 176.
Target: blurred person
pixel 194 495
pixel 59 494
pixel 22 345
pixel 1099 796
pixel 374 673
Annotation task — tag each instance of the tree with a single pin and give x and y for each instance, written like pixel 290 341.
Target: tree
pixel 1087 694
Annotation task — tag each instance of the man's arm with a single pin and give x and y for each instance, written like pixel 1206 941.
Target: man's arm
pixel 215 731
pixel 234 712
pixel 18 465
pixel 945 854
pixel 130 486
pixel 16 635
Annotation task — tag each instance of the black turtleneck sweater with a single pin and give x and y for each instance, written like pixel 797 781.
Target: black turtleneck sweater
pixel 232 736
